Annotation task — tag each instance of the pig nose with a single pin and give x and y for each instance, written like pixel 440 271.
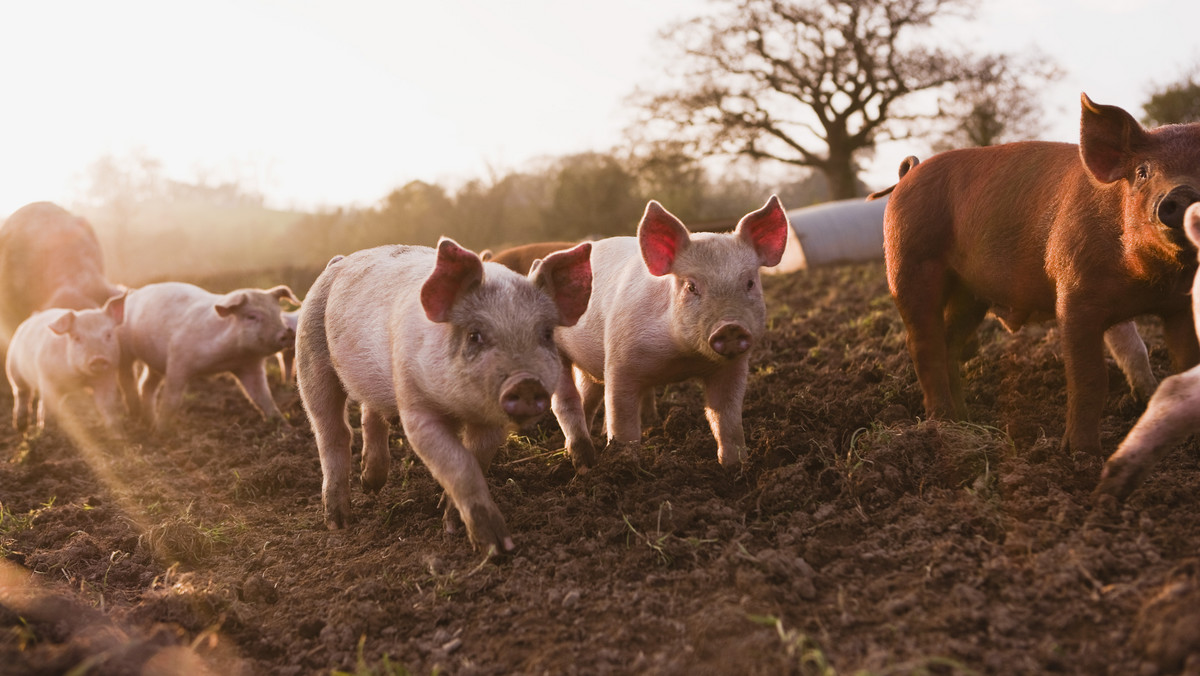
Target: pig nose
pixel 525 399
pixel 1172 206
pixel 730 340
pixel 99 365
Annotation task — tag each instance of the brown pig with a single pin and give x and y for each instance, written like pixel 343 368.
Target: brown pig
pixel 48 259
pixel 56 353
pixel 1090 235
pixel 669 305
pixel 460 348
pixel 1169 418
pixel 521 258
pixel 180 331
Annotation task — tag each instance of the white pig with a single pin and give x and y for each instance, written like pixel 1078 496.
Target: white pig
pixel 1170 417
pixel 180 331
pixel 460 348
pixel 56 353
pixel 669 305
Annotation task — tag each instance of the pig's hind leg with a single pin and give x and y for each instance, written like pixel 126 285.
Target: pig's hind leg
pixel 1172 415
pixel 963 313
pixel 568 408
pixel 918 290
pixel 376 458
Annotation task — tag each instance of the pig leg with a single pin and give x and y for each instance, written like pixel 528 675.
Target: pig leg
pixel 568 409
pixel 325 400
pixel 108 401
pixel 917 291
pixel 592 393
pixel 1179 331
pixel 148 393
pixel 649 408
pixel 458 471
pixel 23 398
pixel 127 379
pixel 482 441
pixel 1172 415
pixel 1087 381
pixel 170 399
pixel 376 459
pixel 963 314
pixel 724 391
pixel 622 399
pixel 1128 350
pixel 253 380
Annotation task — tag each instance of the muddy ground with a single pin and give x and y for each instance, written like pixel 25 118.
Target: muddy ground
pixel 856 539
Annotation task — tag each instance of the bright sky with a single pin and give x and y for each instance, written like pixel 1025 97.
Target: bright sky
pixel 337 102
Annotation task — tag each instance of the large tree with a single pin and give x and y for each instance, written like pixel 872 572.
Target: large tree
pixel 1176 103
pixel 999 106
pixel 812 83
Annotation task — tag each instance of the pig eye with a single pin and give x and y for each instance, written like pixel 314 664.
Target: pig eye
pixel 691 287
pixel 252 316
pixel 750 285
pixel 1143 172
pixel 475 338
pixel 548 335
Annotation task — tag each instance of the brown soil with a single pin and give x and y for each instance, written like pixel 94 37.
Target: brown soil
pixel 857 537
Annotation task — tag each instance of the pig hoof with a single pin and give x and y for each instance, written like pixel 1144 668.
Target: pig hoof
pixel 486 528
pixel 583 455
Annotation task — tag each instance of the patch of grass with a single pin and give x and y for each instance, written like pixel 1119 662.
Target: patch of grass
pixel 185 538
pixel 12 523
pixel 385 666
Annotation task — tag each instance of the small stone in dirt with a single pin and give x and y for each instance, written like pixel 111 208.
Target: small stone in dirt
pixel 452 645
pixel 571 599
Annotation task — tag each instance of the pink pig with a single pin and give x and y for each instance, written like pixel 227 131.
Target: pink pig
pixel 180 331
pixel 462 349
pixel 56 353
pixel 668 305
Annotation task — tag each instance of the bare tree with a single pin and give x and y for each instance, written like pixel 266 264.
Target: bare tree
pixel 810 83
pixel 999 106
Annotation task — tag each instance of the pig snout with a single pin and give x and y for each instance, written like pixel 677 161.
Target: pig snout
pixel 730 340
pixel 98 365
pixel 1172 206
pixel 524 398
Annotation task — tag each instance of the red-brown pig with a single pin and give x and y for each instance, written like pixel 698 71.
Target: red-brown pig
pixel 460 348
pixel 1170 416
pixel 521 258
pixel 180 331
pixel 48 259
pixel 1090 235
pixel 668 305
pixel 57 353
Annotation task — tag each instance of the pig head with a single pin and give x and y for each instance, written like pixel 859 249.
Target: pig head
pixel 1090 235
pixel 459 348
pixel 669 305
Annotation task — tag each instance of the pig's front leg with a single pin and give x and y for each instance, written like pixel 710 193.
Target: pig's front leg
pixel 457 470
pixel 253 380
pixel 127 379
pixel 724 391
pixel 568 408
pixel 622 404
pixel 1087 380
pixel 107 394
pixel 1172 415
pixel 482 441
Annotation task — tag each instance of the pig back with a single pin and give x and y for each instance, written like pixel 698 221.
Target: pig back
pixel 48 258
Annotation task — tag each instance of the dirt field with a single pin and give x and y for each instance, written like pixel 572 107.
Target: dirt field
pixel 857 539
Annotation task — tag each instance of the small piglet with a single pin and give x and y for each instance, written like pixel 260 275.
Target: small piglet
pixel 287 356
pixel 56 353
pixel 1170 416
pixel 669 305
pixel 462 349
pixel 180 331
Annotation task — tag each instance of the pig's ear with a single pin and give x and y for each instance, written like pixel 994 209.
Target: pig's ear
pixel 230 303
pixel 766 230
pixel 115 308
pixel 63 324
pixel 456 271
pixel 1107 137
pixel 1191 223
pixel 662 237
pixel 282 291
pixel 567 277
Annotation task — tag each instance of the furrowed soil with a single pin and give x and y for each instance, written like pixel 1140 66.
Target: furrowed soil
pixel 857 537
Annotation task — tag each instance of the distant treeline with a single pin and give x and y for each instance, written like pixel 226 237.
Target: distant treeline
pixel 221 239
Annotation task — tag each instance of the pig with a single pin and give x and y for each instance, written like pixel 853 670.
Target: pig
pixel 48 259
pixel 1169 418
pixel 57 353
pixel 669 305
pixel 180 331
pixel 287 356
pixel 460 348
pixel 1090 235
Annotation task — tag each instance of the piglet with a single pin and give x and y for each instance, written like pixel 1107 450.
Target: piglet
pixel 287 356
pixel 56 353
pixel 669 305
pixel 460 348
pixel 1170 416
pixel 180 331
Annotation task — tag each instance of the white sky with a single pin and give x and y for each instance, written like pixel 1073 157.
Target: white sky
pixel 337 102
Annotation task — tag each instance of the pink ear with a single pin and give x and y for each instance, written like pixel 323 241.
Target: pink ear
pixel 662 238
pixel 567 277
pixel 1107 137
pixel 115 307
pixel 456 271
pixel 766 230
pixel 283 291
pixel 230 303
pixel 1191 223
pixel 63 324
